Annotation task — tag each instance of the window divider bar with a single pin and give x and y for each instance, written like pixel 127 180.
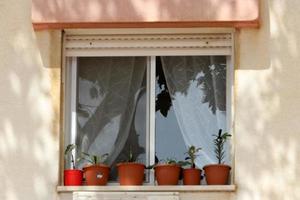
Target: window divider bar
pixel 230 106
pixel 73 106
pixel 152 82
pixel 230 95
pixel 148 88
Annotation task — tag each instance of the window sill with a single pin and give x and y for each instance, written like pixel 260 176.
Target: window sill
pixel 177 188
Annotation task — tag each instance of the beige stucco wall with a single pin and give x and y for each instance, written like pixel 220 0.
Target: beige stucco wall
pixel 28 106
pixel 267 106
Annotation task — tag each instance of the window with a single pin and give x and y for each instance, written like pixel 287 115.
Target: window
pixel 123 96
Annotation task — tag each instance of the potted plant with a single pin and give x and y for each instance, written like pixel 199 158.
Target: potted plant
pixel 167 172
pixel 192 175
pixel 73 176
pixel 131 172
pixel 218 174
pixel 96 173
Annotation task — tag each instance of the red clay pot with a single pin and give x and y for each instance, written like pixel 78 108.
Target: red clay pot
pixel 131 173
pixel 167 174
pixel 73 177
pixel 217 174
pixel 191 176
pixel 96 174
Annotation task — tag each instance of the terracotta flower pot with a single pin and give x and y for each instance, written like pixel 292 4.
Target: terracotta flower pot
pixel 73 177
pixel 131 173
pixel 191 176
pixel 217 174
pixel 96 174
pixel 167 174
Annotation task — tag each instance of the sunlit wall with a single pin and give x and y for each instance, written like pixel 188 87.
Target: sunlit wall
pixel 29 104
pixel 267 105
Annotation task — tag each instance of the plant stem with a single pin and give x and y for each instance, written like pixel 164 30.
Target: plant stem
pixel 72 160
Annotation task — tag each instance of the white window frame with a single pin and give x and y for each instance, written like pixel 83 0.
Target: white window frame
pixel 69 82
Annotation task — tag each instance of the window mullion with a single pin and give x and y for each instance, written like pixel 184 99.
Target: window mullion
pixel 73 100
pixel 151 84
pixel 229 109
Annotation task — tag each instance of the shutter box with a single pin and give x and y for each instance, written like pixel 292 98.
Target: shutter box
pixel 102 44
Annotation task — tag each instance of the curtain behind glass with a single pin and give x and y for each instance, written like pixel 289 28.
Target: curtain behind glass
pixel 109 89
pixel 197 86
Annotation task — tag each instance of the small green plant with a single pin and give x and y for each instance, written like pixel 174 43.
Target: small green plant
pixel 130 158
pixel 219 142
pixel 68 152
pixel 168 161
pixel 192 155
pixel 93 159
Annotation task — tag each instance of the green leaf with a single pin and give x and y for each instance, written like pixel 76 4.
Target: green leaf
pixel 87 157
pixel 79 159
pixel 184 163
pixel 69 148
pixel 151 166
pixel 103 157
pixel 219 142
pixel 95 159
pixel 170 161
pixel 198 149
pixel 86 154
pixel 187 158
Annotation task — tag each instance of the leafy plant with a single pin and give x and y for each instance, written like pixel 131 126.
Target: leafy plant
pixel 192 155
pixel 219 142
pixel 130 157
pixel 168 161
pixel 93 159
pixel 68 151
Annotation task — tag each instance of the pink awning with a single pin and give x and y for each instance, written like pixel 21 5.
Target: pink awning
pixel 60 14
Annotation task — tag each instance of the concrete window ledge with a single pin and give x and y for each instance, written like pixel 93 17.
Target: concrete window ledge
pixel 177 188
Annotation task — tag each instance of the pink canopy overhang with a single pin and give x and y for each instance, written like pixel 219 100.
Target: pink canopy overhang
pixel 61 14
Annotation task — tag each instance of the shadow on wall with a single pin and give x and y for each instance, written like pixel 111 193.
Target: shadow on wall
pixel 267 109
pixel 28 141
pixel 132 10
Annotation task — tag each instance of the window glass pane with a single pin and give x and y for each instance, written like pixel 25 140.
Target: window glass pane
pixel 111 108
pixel 190 105
pixel 169 142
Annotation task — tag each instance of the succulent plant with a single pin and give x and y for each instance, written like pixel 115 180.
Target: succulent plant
pixel 93 159
pixel 68 152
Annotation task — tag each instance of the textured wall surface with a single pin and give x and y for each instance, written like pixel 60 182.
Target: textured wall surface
pixel 29 106
pixel 47 11
pixel 267 106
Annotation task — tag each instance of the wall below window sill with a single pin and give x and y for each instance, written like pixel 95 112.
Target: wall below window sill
pixel 177 188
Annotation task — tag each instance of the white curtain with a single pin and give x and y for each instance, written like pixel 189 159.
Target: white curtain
pixel 197 86
pixel 108 91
